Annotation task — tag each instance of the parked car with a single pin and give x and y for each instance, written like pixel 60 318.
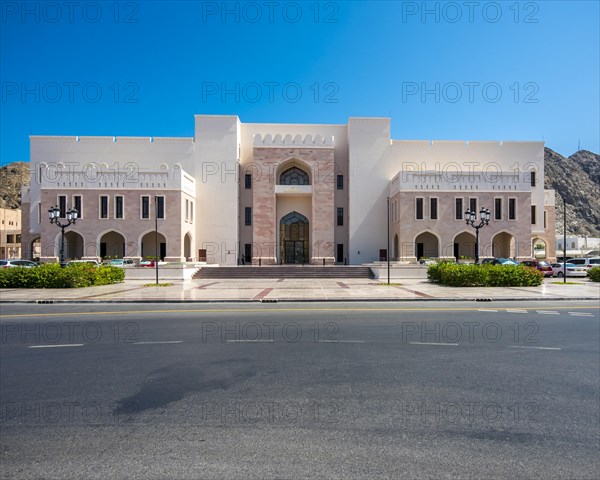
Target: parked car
pixel 499 261
pixel 572 270
pixel 147 263
pixel 17 262
pixel 121 262
pixel 541 265
pixel 76 262
pixel 586 262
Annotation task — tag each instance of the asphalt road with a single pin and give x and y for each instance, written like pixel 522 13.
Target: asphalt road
pixel 359 390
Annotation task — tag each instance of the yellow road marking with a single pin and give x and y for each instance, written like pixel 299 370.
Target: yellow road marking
pixel 271 310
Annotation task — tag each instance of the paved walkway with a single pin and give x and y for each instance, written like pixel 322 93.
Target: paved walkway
pixel 299 290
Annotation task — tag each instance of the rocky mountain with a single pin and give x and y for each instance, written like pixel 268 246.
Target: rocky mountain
pixel 576 179
pixel 12 177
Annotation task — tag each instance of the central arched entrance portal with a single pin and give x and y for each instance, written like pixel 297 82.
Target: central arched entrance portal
pixel 293 238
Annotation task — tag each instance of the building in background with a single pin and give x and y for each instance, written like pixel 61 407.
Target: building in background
pixel 578 246
pixel 287 193
pixel 10 233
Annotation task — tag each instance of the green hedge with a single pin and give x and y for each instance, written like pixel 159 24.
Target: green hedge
pixel 51 275
pixel 456 275
pixel 594 274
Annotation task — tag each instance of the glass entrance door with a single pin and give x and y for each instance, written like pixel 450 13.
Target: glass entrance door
pixel 294 251
pixel 294 239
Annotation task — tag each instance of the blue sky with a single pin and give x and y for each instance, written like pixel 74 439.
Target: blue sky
pixel 441 70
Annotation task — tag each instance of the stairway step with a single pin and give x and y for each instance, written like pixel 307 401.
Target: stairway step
pixel 284 272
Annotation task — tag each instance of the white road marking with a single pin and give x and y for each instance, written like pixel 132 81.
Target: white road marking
pixel 342 341
pixel 154 343
pixel 581 314
pixel 57 346
pixel 249 341
pixel 512 310
pixel 434 343
pixel 535 348
pixel 487 310
pixel 547 312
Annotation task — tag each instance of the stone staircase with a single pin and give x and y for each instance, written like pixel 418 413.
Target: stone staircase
pixel 285 271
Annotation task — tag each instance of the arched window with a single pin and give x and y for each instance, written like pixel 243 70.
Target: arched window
pixel 294 176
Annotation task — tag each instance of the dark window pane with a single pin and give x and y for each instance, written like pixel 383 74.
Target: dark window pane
pixel 145 207
pixel 340 216
pixel 340 182
pixel 294 176
pixel 459 209
pixel 248 216
pixel 248 180
pixel 62 204
pixel 103 206
pixel 160 207
pixel 433 208
pixel 498 209
pixel 473 204
pixel 533 179
pixel 77 205
pixel 118 207
pixel 419 208
pixel 512 209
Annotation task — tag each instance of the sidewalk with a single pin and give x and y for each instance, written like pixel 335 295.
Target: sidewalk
pixel 246 290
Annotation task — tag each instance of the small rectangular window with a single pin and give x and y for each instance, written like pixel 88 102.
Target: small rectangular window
pixel 62 205
pixel 191 212
pixel 340 216
pixel 512 208
pixel 103 206
pixel 248 216
pixel 248 180
pixel 458 209
pixel 77 205
pixel 145 206
pixel 18 238
pixel 533 179
pixel 10 239
pixel 118 206
pixel 187 210
pixel 419 208
pixel 160 207
pixel 545 219
pixel 497 209
pixel 473 204
pixel 533 215
pixel 340 182
pixel 39 212
pixel 433 208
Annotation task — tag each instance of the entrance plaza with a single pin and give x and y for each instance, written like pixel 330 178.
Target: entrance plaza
pixel 267 290
pixel 273 194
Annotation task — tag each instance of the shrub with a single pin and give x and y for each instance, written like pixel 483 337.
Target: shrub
pixel 53 276
pixel 484 275
pixel 106 275
pixel 594 274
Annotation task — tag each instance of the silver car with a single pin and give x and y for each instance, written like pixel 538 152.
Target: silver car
pixel 17 262
pixel 573 270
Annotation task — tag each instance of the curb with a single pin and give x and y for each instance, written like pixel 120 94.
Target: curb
pixel 291 300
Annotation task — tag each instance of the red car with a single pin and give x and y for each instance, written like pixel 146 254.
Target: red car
pixel 540 265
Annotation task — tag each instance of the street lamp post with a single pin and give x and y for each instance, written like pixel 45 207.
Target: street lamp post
pixel 388 239
pixel 54 215
pixel 564 240
pixel 156 235
pixel 471 218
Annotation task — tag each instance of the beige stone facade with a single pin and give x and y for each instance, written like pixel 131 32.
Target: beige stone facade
pixel 10 233
pixel 272 201
pixel 242 193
